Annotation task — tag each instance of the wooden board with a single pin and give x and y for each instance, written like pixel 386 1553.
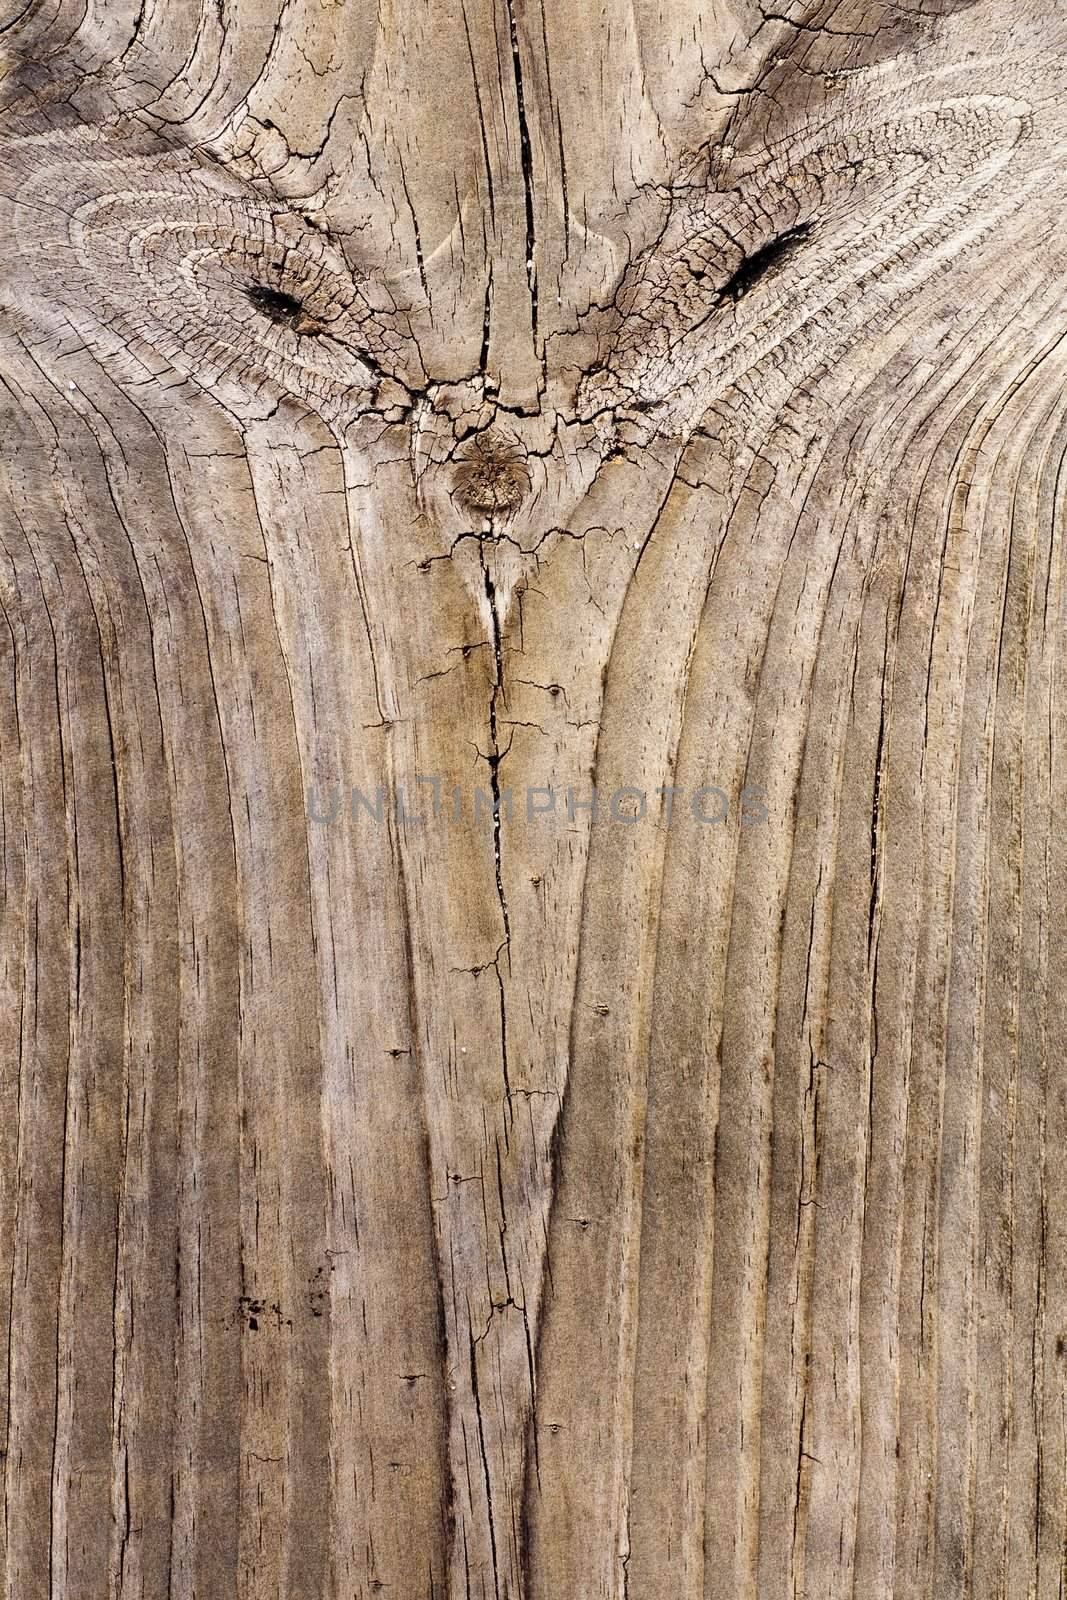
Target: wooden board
pixel 415 1182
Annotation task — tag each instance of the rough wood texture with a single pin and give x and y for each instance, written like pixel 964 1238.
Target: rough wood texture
pixel 527 394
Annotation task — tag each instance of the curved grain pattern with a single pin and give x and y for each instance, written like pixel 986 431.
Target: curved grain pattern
pixel 416 1180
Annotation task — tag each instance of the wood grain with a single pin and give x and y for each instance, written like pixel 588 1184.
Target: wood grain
pixel 417 1183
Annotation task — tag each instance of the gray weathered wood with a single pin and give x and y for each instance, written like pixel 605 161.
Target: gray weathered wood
pixel 515 397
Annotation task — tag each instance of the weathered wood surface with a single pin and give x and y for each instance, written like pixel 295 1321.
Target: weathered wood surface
pixel 668 393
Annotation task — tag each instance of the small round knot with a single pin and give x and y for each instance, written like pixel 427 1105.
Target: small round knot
pixel 491 477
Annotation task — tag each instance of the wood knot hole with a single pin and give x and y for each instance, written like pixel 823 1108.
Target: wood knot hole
pixel 283 309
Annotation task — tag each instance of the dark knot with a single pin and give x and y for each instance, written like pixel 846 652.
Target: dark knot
pixel 491 476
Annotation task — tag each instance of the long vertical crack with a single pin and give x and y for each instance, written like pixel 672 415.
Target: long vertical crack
pixel 527 167
pixel 494 759
pixel 486 1472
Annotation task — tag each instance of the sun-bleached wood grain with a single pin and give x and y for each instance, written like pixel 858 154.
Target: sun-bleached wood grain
pixel 645 395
